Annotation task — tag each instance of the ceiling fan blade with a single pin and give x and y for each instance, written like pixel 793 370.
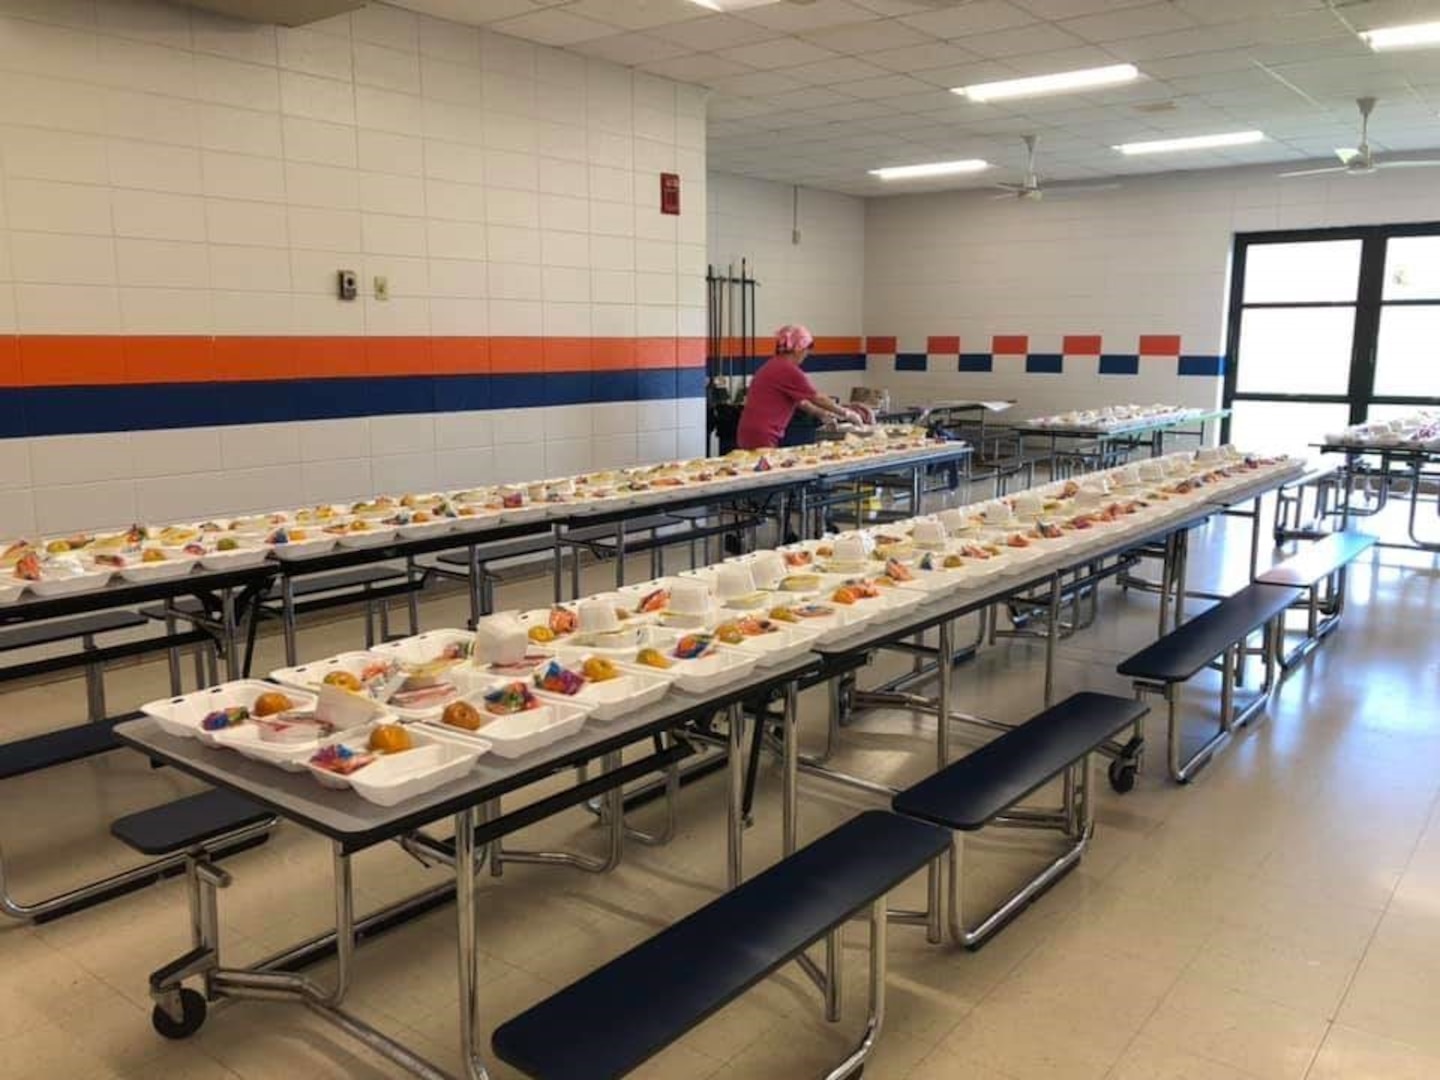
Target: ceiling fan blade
pixel 1080 189
pixel 1013 188
pixel 1008 196
pixel 1346 154
pixel 1314 172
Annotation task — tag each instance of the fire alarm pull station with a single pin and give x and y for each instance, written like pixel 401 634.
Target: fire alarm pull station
pixel 669 193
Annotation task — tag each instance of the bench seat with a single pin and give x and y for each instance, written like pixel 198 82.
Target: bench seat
pixel 189 823
pixel 53 631
pixel 1318 560
pixel 1223 632
pixel 986 786
pixel 616 1018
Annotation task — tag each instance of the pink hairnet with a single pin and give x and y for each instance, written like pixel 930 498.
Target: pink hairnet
pixel 791 339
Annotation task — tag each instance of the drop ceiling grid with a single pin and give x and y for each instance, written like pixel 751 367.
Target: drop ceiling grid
pixel 818 92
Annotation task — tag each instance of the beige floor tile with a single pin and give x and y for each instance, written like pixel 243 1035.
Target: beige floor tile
pixel 1348 1054
pixel 1144 1060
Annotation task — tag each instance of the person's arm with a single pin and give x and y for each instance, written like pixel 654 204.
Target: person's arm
pixel 823 405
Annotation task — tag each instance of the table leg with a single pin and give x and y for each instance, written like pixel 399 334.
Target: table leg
pixel 735 868
pixel 229 635
pixel 945 661
pixel 468 953
pixel 1052 637
pixel 790 747
pixel 620 553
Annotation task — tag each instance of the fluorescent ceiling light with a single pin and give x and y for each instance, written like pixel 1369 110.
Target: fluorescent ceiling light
pixel 935 168
pixel 732 5
pixel 1194 142
pixel 1414 36
pixel 1060 83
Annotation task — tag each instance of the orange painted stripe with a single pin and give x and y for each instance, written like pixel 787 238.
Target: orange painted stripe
pixel 567 354
pixel 690 352
pixel 612 354
pixel 165 359
pixel 1010 345
pixel 310 358
pixel 398 356
pixel 460 355
pixel 516 355
pixel 53 360
pixel 1082 345
pixel 883 345
pixel 10 361
pixel 651 353
pixel 1159 344
pixel 943 345
pixel 837 346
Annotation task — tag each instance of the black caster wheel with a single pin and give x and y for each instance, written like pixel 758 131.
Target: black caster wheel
pixel 1122 775
pixel 192 1006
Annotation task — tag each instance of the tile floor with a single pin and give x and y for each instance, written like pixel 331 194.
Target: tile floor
pixel 1278 919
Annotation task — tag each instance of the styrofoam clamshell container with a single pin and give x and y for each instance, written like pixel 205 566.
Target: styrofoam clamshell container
pixel 10 591
pixel 309 677
pixel 246 740
pixel 71 583
pixel 423 648
pixel 244 556
pixel 181 716
pixel 300 549
pixel 634 688
pixel 416 531
pixel 785 642
pixel 517 734
pixel 724 665
pixel 435 760
pixel 374 537
pixel 176 564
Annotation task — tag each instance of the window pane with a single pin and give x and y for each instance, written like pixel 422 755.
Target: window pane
pixel 1407 358
pixel 1305 272
pixel 1276 427
pixel 1376 413
pixel 1412 268
pixel 1295 351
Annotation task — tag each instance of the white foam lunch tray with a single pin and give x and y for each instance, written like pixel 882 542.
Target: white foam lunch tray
pixel 634 688
pixel 181 716
pixel 724 665
pixel 519 734
pixel 435 760
pixel 309 677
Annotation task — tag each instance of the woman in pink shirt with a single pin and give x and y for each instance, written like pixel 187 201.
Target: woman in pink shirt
pixel 778 389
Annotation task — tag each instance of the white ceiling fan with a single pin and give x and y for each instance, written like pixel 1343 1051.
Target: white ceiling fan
pixel 1360 161
pixel 1031 189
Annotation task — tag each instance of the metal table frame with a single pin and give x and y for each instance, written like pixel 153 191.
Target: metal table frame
pixel 353 825
pixel 1413 464
pixel 1111 439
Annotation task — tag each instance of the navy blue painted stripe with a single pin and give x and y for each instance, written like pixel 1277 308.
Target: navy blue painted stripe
pixel 75 410
pixel 814 363
pixel 1202 365
pixel 976 362
pixel 911 362
pixel 1119 364
pixel 1045 364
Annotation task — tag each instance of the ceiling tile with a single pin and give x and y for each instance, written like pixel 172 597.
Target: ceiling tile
pixel 1039 37
pixel 868 37
pixel 966 74
pixel 1043 63
pixel 713 32
pixel 1129 23
pixel 812 97
pixel 920 57
pixel 781 53
pixel 631 49
pixel 798 18
pixel 554 27
pixel 883 87
pixel 637 14
pixel 695 67
pixel 1067 9
pixel 977 17
pixel 757 84
pixel 834 70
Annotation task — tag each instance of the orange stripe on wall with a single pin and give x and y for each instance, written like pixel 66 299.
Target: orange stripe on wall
pixel 943 346
pixel 1010 345
pixel 1082 345
pixel 882 345
pixel 108 360
pixel 835 346
pixel 1159 344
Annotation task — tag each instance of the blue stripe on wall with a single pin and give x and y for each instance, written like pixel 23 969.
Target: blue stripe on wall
pixel 976 362
pixel 911 362
pixel 75 410
pixel 1044 364
pixel 1119 364
pixel 1202 365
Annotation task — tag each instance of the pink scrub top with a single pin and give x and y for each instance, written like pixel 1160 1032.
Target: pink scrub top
pixel 778 388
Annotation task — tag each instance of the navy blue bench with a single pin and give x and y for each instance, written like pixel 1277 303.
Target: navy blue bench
pixel 985 787
pixel 616 1018
pixel 1221 633
pixel 1320 569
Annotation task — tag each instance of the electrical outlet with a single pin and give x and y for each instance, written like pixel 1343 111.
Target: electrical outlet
pixel 348 284
pixel 382 287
